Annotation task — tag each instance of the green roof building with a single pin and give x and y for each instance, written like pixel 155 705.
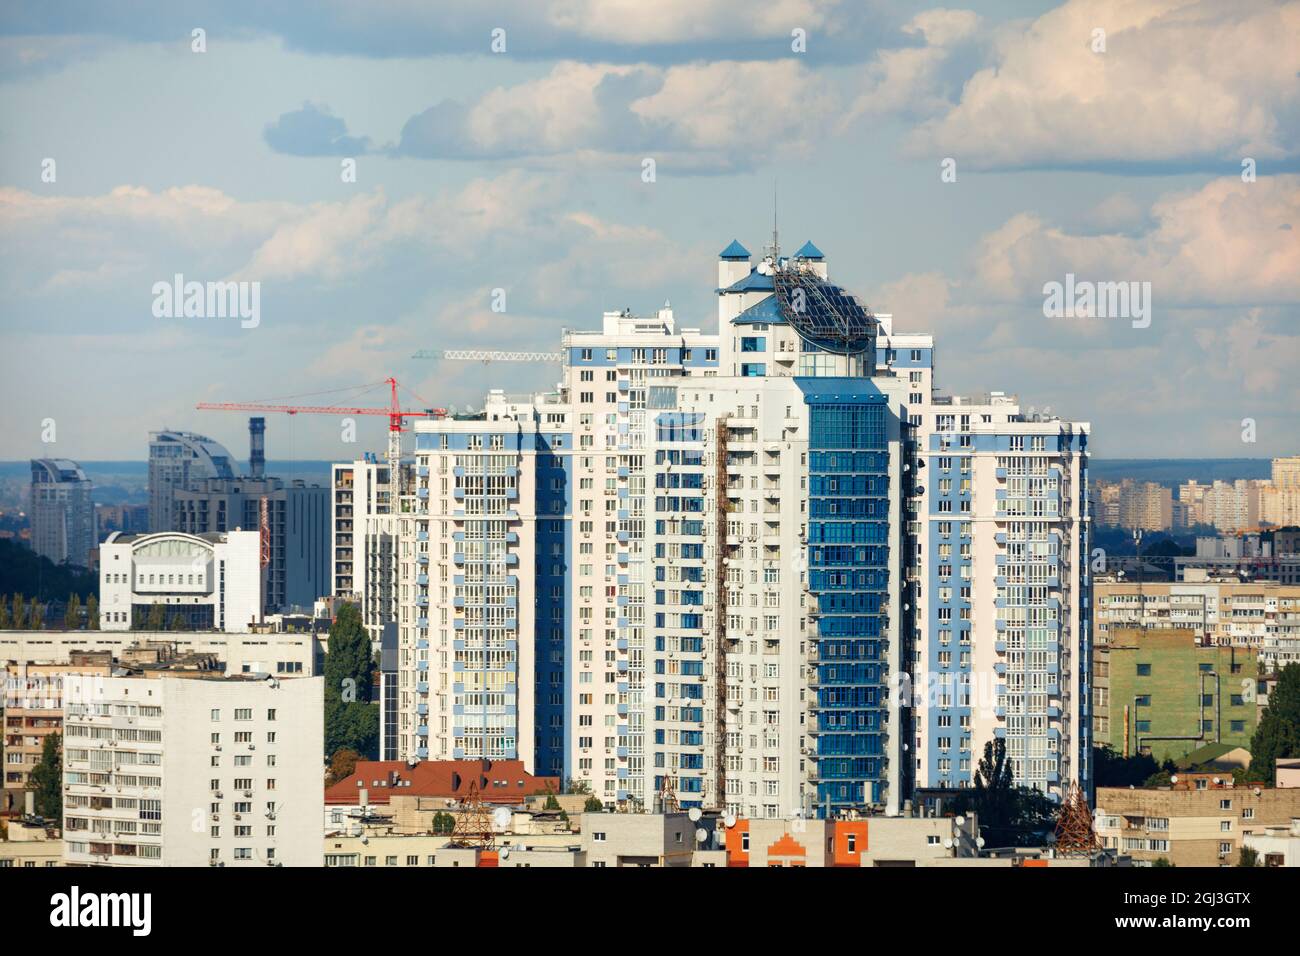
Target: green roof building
pixel 1157 691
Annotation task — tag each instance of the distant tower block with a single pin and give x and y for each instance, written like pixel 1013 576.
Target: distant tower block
pixel 256 447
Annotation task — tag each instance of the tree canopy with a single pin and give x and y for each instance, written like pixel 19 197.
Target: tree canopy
pixel 351 720
pixel 1278 732
pixel 46 780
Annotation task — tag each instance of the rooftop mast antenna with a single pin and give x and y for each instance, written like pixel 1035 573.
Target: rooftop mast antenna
pixel 776 246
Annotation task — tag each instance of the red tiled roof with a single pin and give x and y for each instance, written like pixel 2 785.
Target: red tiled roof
pixel 502 781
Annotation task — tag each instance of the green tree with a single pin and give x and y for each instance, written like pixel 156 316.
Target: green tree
pixel 19 614
pixel 349 662
pixel 1008 815
pixel 1278 732
pixel 576 786
pixel 1113 770
pixel 26 572
pixel 551 802
pixel 154 622
pixel 593 805
pixel 92 613
pixel 4 615
pixel 35 615
pixel 46 780
pixel 1162 862
pixel 1248 857
pixel 353 726
pixel 994 798
pixel 72 616
pixel 351 721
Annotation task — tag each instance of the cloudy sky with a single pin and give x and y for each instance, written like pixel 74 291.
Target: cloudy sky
pixel 522 170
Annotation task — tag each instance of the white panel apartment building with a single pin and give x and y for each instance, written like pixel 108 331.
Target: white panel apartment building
pixel 213 581
pixel 1002 645
pixel 467 611
pixel 176 771
pixel 608 379
pixel 363 540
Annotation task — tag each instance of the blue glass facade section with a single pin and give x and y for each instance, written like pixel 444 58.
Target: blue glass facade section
pixel 848 576
pixel 554 501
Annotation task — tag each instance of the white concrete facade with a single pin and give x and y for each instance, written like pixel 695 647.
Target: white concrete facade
pixel 175 771
pixel 214 580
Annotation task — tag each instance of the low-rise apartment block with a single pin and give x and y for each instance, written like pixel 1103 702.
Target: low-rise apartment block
pixel 1201 820
pixel 193 769
pixel 1263 615
pixel 33 710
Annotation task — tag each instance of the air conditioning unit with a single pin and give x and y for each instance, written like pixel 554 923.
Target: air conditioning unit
pixel 248 793
pixel 216 746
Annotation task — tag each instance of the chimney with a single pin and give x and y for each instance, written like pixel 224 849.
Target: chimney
pixel 256 447
pixel 29 803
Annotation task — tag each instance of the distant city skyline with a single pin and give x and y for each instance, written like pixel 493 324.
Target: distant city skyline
pixel 231 165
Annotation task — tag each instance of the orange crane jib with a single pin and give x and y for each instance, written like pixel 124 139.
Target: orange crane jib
pixel 395 413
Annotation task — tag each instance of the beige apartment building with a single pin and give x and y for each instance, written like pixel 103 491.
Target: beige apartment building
pixel 1201 820
pixel 33 710
pixel 25 845
pixel 1262 615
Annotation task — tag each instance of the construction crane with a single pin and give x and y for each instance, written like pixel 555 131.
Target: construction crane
pixel 396 417
pixel 486 355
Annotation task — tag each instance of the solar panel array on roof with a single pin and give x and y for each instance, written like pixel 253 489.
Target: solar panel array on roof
pixel 824 314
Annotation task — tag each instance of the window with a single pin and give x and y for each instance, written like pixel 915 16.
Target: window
pixel 1144 670
pixel 597 837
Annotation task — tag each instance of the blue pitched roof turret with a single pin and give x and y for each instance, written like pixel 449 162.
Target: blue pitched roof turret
pixel 809 251
pixel 734 251
pixel 754 282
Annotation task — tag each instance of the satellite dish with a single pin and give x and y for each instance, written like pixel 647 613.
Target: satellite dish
pixel 961 821
pixel 701 835
pixel 979 842
pixel 947 844
pixel 1173 778
pixel 694 814
pixel 505 852
pixel 501 817
pixel 729 820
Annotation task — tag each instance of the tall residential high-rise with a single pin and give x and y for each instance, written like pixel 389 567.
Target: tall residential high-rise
pixel 709 564
pixel 61 511
pixel 363 539
pixel 612 379
pixel 176 460
pixel 481 578
pixel 364 519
